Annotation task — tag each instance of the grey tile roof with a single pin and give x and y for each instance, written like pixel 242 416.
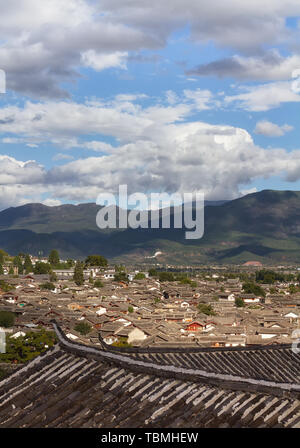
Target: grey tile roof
pixel 73 385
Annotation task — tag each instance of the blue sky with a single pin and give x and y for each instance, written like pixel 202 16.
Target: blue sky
pixel 183 97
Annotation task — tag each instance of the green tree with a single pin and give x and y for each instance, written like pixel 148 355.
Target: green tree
pixel 206 309
pixel 25 348
pixel 78 274
pixel 83 328
pixel 52 277
pixel 122 342
pixel 17 262
pixel 152 272
pixel 95 260
pixel 1 270
pixel 3 254
pixel 48 285
pixel 42 268
pixel 252 288
pixel 293 289
pixel 11 271
pixel 130 309
pixel 166 277
pixel 27 264
pixel 98 284
pixel 139 276
pixel 239 302
pixel 6 286
pixel 121 277
pixel 53 258
pixel 7 319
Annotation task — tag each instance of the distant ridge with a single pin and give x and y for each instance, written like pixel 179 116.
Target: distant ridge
pixel 263 226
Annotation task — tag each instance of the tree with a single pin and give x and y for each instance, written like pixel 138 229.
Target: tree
pixel 27 264
pixel 130 309
pixel 78 274
pixel 54 257
pixel 52 277
pixel 152 272
pixel 48 285
pixel 83 328
pixel 7 319
pixel 206 309
pixel 95 260
pixel 293 289
pixel 1 270
pixel 98 284
pixel 122 342
pixel 252 288
pixel 3 254
pixel 41 268
pixel 25 348
pixel 139 276
pixel 239 302
pixel 6 286
pixel 121 277
pixel 11 271
pixel 17 262
pixel 166 277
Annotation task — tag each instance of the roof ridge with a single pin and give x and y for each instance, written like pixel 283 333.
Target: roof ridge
pixel 182 373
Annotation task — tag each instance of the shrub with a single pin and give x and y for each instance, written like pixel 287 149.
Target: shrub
pixel 206 309
pixel 48 285
pixel 166 277
pixel 95 260
pixel 83 328
pixel 7 319
pixel 25 348
pixel 239 302
pixel 122 342
pixel 42 268
pixel 98 284
pixel 252 288
pixel 121 277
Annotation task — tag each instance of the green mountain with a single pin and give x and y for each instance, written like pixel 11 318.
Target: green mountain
pixel 262 226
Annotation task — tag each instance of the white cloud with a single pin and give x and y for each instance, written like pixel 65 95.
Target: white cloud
pixel 270 129
pixel 100 61
pixel 203 99
pixel 263 97
pixel 44 44
pixel 247 26
pixel 182 157
pixel 156 149
pixel 269 67
pixel 51 202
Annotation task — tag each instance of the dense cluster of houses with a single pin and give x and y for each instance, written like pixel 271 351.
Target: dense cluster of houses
pixel 151 313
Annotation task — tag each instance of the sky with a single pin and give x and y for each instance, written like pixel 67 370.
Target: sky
pixel 177 96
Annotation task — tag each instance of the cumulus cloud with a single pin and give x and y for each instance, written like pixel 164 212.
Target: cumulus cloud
pixel 268 67
pixel 247 26
pixel 269 129
pixel 179 157
pixel 44 44
pixel 263 97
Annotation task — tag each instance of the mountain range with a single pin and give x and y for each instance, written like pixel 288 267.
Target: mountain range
pixel 263 226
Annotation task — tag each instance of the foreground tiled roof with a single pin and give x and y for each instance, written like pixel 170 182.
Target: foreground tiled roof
pixel 73 385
